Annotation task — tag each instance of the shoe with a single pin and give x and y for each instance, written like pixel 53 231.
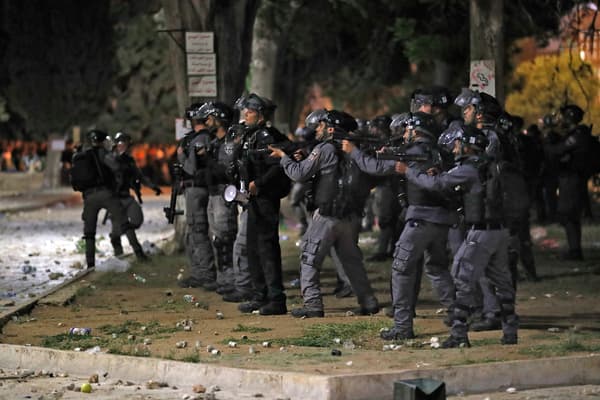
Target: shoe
pixel 486 324
pixel 305 313
pixel 395 334
pixel 250 306
pixel 509 339
pixel 210 286
pixel 378 257
pixel 368 310
pixel 273 308
pixel 345 291
pixel 189 282
pixel 236 297
pixel 142 257
pixel 454 342
pixel 224 289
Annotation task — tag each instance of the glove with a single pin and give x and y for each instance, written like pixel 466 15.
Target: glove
pixel 157 191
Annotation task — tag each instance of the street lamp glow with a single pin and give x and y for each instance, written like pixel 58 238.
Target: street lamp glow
pixel 582 55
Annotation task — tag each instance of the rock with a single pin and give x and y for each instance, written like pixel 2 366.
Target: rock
pixel 198 389
pixel 93 378
pixel 336 352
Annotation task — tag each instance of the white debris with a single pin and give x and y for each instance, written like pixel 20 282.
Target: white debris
pixel 181 345
pixel 232 343
pixel 349 363
pixel 113 264
pixel 215 352
pixel 548 295
pixel 553 329
pixel 266 344
pixel 511 390
pixel 220 315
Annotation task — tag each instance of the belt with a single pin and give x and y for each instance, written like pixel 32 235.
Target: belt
pixel 487 227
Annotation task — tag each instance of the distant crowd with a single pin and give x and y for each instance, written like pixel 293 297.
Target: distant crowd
pixel 30 156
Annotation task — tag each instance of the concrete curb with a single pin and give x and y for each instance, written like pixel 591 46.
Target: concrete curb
pixel 526 374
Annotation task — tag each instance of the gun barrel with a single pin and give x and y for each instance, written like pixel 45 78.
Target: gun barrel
pixel 402 157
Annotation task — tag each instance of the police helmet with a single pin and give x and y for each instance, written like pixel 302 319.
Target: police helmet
pixel 505 122
pixel 305 133
pixel 473 137
pixel 313 119
pixel 447 138
pixel 423 123
pixel 197 112
pixel 221 111
pixel 341 120
pixel 399 123
pixel 122 137
pixel 490 107
pixel 571 113
pixel 96 136
pixel 380 125
pixel 467 97
pixel 419 98
pixel 363 127
pixel 261 105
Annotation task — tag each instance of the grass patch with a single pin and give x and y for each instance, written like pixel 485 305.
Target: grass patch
pixel 135 327
pixel 250 329
pixel 65 341
pixel 572 344
pixel 323 335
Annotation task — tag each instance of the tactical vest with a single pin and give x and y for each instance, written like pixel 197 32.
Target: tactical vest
pixel 343 191
pixel 485 205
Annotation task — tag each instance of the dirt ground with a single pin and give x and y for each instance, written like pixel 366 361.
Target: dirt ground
pixel 560 315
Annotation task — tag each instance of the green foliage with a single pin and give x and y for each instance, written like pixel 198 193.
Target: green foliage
pixel 544 84
pixel 323 335
pixel 250 329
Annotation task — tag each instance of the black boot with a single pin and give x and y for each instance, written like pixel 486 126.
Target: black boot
pixel 90 252
pixel 116 244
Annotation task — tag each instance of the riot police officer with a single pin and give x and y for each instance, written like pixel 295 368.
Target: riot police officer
pixel 267 184
pixel 571 152
pixel 222 216
pixel 485 249
pixel 99 191
pixel 425 232
pixel 339 200
pixel 191 154
pixel 129 177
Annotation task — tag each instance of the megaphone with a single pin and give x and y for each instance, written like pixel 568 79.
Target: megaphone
pixel 231 193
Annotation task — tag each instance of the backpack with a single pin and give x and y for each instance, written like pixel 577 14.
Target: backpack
pixel 85 172
pixel 506 191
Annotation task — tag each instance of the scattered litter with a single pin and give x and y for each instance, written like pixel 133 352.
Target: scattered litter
pixel 295 283
pixel 266 344
pixel 579 296
pixel 27 269
pixel 179 277
pixel 220 315
pixel 548 295
pixel 85 388
pixel 139 278
pixel 94 350
pixel 232 343
pixel 215 352
pixel 349 313
pixel 337 340
pixel 80 331
pixel 434 342
pixel 349 363
pixel 511 390
pixel 336 352
pixel 93 378
pixel 257 312
pixel 113 264
pixel 251 350
pixel 532 298
pixel 181 345
pixel 553 330
pixel 188 298
pixel 282 349
pixel 421 364
pixel 538 233
pixel 440 311
pixel 349 345
pixel 147 341
pixel 210 348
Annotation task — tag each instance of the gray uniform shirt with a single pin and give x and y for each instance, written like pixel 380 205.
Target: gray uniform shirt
pixel 323 158
pixel 465 175
pixel 374 166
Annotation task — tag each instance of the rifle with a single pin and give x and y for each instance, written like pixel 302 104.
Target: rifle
pixel 288 147
pixel 171 212
pixel 399 154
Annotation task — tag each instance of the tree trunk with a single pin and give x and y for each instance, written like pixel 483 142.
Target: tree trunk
pixel 264 60
pixel 487 40
pixel 232 23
